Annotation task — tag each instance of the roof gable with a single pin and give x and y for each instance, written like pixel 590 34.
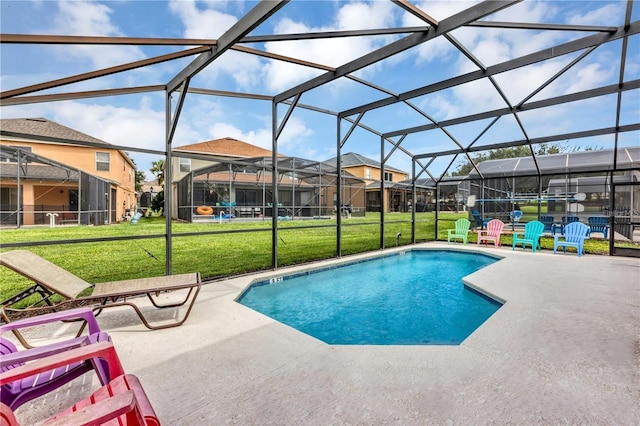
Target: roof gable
pixel 226 147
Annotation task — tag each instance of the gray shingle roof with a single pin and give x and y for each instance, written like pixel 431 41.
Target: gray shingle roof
pixel 352 159
pixel 45 128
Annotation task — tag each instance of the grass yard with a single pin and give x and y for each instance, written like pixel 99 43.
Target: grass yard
pixel 217 250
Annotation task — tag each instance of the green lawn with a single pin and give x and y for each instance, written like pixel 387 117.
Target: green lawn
pixel 218 250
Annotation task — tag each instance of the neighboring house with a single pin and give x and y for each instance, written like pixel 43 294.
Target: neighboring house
pixel 397 196
pixel 148 191
pixel 81 184
pixel 235 177
pixel 225 148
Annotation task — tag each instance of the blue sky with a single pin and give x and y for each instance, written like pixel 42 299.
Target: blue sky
pixel 138 120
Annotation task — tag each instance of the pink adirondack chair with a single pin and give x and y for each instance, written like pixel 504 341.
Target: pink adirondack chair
pixel 492 233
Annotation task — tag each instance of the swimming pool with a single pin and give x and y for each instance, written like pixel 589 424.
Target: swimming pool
pixel 414 297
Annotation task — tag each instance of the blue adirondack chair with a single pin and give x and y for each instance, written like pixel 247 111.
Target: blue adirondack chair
pixel 565 221
pixel 460 232
pixel 480 223
pixel 574 235
pixel 548 222
pixel 532 232
pixel 599 224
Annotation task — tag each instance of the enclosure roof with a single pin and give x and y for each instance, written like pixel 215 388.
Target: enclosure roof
pixel 589 184
pixel 33 166
pixel 37 171
pixel 574 162
pixel 305 170
pixel 430 84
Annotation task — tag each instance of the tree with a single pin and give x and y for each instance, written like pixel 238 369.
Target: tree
pixel 466 167
pixel 157 168
pixel 139 176
pixel 157 203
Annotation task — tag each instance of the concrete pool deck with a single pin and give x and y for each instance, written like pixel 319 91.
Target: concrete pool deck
pixel 563 349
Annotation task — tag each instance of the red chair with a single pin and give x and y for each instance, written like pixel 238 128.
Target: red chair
pixel 122 401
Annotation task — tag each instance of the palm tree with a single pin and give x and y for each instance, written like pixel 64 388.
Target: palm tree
pixel 157 168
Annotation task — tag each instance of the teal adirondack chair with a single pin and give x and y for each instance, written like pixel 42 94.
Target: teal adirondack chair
pixel 460 232
pixel 532 232
pixel 574 235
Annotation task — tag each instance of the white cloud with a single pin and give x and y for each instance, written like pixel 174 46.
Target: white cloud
pixel 203 20
pixel 136 126
pixel 200 22
pixel 90 18
pixel 293 135
pixel 492 46
pixel 259 137
pixel 588 77
pixel 328 52
pixel 608 14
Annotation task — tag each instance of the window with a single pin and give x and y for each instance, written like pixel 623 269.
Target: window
pixel 388 177
pixel 185 165
pixel 103 161
pixel 246 197
pixel 367 173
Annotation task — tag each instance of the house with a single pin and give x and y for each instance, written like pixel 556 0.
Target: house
pixel 224 148
pixel 148 191
pixel 397 196
pixel 42 175
pixel 234 177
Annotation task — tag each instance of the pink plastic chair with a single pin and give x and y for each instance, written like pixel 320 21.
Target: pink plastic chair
pixel 492 233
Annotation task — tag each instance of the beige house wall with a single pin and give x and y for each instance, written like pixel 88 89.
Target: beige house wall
pixel 374 173
pixel 194 164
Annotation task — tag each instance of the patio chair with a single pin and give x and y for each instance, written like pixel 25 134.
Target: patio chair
pixel 493 232
pixel 480 223
pixel 548 221
pixel 122 401
pixel 28 388
pixel 599 224
pixel 574 235
pixel 51 280
pixel 515 216
pixel 532 232
pixel 460 232
pixel 565 221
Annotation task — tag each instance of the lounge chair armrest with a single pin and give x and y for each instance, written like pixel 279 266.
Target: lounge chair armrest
pixel 99 412
pixel 31 354
pixel 85 314
pixel 104 350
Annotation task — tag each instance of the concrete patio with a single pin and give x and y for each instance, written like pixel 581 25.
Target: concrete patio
pixel 564 349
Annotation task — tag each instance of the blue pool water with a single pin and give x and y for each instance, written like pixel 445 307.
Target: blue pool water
pixel 412 298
